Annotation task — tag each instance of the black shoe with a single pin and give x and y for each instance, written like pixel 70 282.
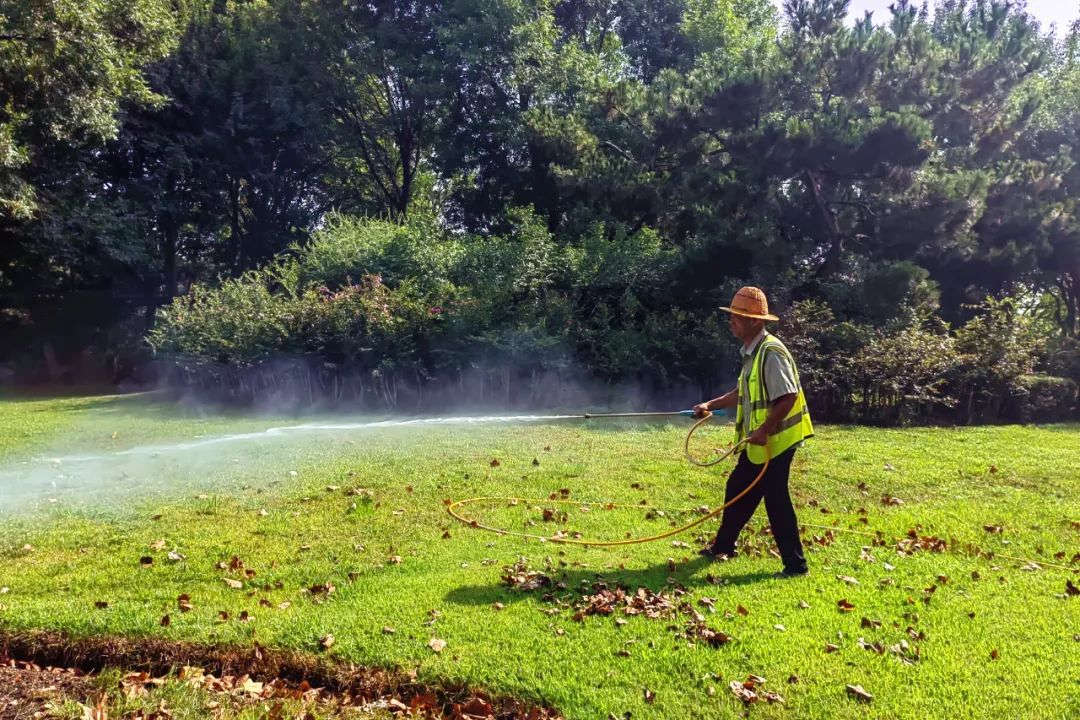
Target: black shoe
pixel 792 572
pixel 714 553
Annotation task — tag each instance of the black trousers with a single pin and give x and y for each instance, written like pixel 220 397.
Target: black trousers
pixel 773 487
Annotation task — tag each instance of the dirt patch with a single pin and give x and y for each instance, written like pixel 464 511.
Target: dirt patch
pixel 23 656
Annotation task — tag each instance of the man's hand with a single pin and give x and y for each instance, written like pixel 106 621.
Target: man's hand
pixel 727 400
pixel 758 437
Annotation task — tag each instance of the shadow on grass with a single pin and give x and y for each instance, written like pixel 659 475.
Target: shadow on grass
pixel 580 582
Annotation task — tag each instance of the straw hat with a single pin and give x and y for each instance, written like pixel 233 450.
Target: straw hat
pixel 750 302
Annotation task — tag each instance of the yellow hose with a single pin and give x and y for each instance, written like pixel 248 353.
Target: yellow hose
pixel 610 543
pixel 675 531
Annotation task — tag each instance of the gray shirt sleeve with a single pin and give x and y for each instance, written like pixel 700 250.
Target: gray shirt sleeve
pixel 779 376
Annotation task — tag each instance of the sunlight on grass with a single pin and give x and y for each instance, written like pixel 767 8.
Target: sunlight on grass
pixel 929 634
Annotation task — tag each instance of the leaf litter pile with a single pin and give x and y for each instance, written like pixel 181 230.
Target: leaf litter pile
pixel 40 670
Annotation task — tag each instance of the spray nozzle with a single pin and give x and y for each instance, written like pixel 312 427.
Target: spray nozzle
pixel 690 413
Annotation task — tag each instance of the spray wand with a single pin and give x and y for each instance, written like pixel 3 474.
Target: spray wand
pixel 684 413
pixel 452 507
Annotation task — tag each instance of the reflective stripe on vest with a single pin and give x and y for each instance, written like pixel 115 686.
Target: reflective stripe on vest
pixel 752 394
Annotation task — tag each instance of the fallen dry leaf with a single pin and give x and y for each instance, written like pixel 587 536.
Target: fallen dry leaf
pixel 234 584
pixel 742 692
pixel 251 687
pixel 437 645
pixel 494 462
pixel 848 579
pixel 649 695
pixel 477 707
pixel 519 577
pixel 100 604
pixel 326 588
pixel 327 641
pixel 857 692
pixel 183 601
pixel 844 606
pixel 701 631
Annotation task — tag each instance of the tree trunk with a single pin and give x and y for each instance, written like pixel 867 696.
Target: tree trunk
pixel 835 253
pixel 168 249
pixel 234 223
pixel 1070 291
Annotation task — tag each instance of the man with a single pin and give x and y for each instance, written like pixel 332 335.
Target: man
pixel 772 415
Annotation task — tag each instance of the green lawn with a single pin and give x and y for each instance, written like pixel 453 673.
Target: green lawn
pixel 1004 642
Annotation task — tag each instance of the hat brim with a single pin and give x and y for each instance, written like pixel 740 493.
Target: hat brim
pixel 750 315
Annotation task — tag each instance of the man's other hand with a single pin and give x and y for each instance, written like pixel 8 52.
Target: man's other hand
pixel 700 409
pixel 758 437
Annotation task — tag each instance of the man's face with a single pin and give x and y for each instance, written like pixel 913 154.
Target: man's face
pixel 742 327
pixel 737 324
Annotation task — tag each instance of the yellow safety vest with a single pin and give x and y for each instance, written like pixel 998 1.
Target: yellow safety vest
pixel 794 428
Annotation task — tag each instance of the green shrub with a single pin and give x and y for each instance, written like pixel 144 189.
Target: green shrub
pixel 244 322
pixel 1063 357
pixel 1043 398
pixel 901 377
pixel 1000 345
pixel 417 252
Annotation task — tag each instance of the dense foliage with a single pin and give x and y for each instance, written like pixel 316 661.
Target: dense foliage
pixel 387 201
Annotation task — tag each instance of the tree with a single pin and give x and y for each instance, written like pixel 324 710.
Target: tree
pixel 385 82
pixel 65 67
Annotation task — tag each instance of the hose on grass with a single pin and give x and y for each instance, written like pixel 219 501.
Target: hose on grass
pixel 452 507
